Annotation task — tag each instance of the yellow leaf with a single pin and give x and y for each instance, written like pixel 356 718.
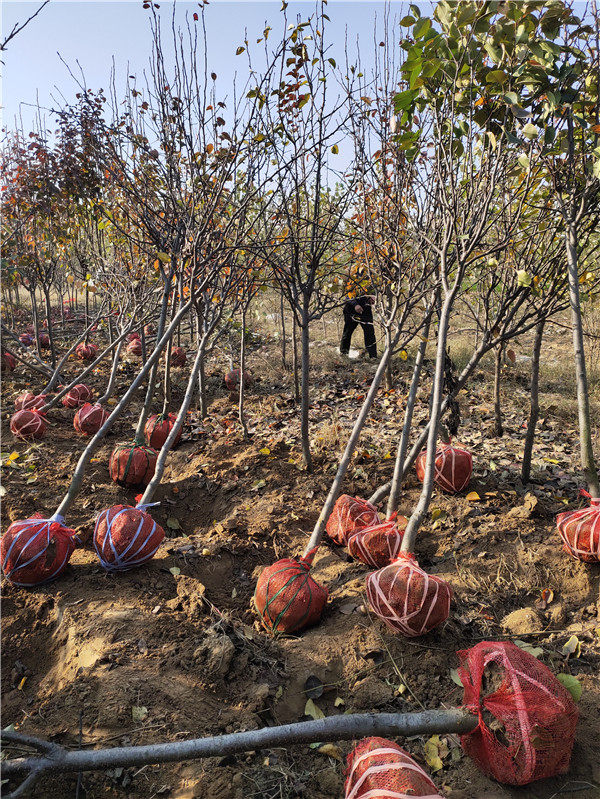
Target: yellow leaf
pixel 403 355
pixel 164 257
pixel 265 451
pixel 22 683
pixel 572 647
pixel 13 456
pixel 387 456
pixel 331 750
pixel 550 460
pixel 432 753
pixel 473 496
pixel 310 709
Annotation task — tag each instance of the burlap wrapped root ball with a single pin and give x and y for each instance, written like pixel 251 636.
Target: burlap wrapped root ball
pixel 158 427
pixel 126 537
pixel 8 362
pixel 287 598
pixel 379 544
pixel 86 352
pixel 178 357
pixel 28 425
pixel 36 550
pixel 527 718
pixel 89 419
pixel 406 598
pixel 453 468
pixel 132 464
pixel 380 769
pixel 77 396
pixel 29 402
pixel 349 515
pixel 580 532
pixel 232 380
pixel 44 340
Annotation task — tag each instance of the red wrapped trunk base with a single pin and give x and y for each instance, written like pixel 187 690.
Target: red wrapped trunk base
pixel 86 352
pixel 380 544
pixel 28 425
pixel 132 464
pixel 135 347
pixel 125 537
pixel 29 402
pixel 580 532
pixel 287 598
pixel 89 419
pixel 232 379
pixel 77 396
pixel 157 429
pixel 453 468
pixel 8 362
pixel 380 769
pixel 44 340
pixel 537 714
pixel 178 357
pixel 350 514
pixel 36 550
pixel 406 598
pixel 26 339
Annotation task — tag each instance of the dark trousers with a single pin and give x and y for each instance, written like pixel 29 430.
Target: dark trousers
pixel 351 322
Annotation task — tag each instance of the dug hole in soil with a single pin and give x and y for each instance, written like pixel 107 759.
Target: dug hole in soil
pixel 173 650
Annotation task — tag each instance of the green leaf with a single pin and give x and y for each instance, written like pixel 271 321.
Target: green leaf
pixel 523 278
pixel 572 685
pixel 496 76
pixel 139 713
pixel 173 523
pixel 335 149
pixel 536 651
pixel 455 678
pixel 422 27
pixel 332 62
pixel 175 570
pixel 530 131
pixel 407 21
pixel 164 257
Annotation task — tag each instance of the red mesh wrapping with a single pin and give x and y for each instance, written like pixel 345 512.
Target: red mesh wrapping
pixel 28 401
pixel 536 713
pixel 148 330
pixel 580 531
pixel 380 769
pixel 453 468
pixel 350 514
pixel 7 362
pixel 286 596
pixel 44 340
pixel 86 352
pixel 406 598
pixel 232 379
pixel 379 544
pixel 132 464
pixel 135 347
pixel 158 427
pixel 28 425
pixel 36 550
pixel 178 356
pixel 77 396
pixel 134 337
pixel 125 537
pixel 26 339
pixel 89 419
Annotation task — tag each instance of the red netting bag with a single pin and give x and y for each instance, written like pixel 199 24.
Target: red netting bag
pixel 28 425
pixel 86 352
pixel 453 468
pixel 135 347
pixel 527 718
pixel 286 596
pixel 77 396
pixel 232 380
pixel 29 402
pixel 158 427
pixel 134 337
pixel 380 769
pixel 350 514
pixel 8 362
pixel 406 598
pixel 36 550
pixel 379 544
pixel 26 339
pixel 178 356
pixel 580 531
pixel 44 340
pixel 132 464
pixel 89 419
pixel 125 537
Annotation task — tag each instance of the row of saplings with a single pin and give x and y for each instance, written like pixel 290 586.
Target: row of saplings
pixel 535 716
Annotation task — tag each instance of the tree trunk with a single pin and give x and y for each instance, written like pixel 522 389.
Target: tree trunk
pixel 50 329
pixel 389 377
pixel 283 333
pixel 583 400
pixel 305 399
pixel 36 323
pixel 113 375
pixel 202 384
pixel 241 414
pixel 498 427
pixel 295 358
pixel 535 407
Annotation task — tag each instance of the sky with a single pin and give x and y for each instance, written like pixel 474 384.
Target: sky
pixel 93 33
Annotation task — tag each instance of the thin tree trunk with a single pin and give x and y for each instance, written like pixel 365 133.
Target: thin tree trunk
pixel 50 328
pixel 36 323
pixel 283 333
pixel 398 476
pixel 241 414
pixel 113 374
pixel 202 384
pixel 305 398
pixel 535 406
pixel 583 399
pixel 87 309
pixel 498 427
pixel 295 358
pixel 389 377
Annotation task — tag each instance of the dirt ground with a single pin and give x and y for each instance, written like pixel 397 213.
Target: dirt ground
pixel 173 650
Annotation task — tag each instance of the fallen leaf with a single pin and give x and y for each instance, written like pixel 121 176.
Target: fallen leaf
pixel 138 713
pixel 572 685
pixel 310 709
pixel 431 750
pixel 175 570
pixel 472 496
pixel 173 523
pixel 265 451
pixel 313 687
pixel 536 651
pixel 572 647
pixel 338 701
pixel 331 750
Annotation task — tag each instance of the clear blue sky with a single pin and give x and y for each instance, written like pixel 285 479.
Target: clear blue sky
pixel 94 32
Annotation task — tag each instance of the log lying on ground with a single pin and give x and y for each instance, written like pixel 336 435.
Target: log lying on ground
pixel 55 759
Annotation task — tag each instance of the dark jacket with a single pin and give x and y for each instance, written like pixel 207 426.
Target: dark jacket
pixel 364 303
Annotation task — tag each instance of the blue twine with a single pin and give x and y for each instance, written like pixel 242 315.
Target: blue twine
pixel 27 524
pixel 119 561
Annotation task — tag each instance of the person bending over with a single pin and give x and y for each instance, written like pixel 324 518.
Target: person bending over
pixel 359 311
